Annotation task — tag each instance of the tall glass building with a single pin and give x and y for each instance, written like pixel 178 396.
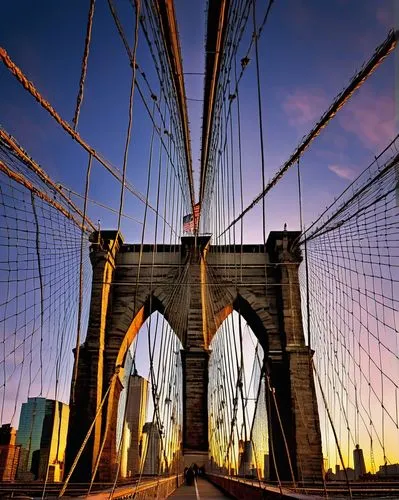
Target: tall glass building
pixel 42 434
pixel 132 411
pixel 135 415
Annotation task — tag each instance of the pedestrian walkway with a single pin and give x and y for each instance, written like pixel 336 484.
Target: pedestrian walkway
pixel 200 489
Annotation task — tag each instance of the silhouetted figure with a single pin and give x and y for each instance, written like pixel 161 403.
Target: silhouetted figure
pixel 195 469
pixel 189 477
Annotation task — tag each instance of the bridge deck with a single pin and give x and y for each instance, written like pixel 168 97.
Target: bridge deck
pixel 202 489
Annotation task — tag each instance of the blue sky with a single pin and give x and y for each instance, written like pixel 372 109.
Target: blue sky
pixel 309 50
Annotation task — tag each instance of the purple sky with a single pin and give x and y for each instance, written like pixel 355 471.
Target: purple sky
pixel 309 51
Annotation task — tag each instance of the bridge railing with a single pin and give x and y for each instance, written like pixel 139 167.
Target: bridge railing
pixel 149 488
pixel 243 488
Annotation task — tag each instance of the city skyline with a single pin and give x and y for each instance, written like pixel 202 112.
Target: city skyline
pixel 125 165
pixel 42 434
pixel 134 418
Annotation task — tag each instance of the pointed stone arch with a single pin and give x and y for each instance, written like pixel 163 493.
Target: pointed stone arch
pixel 122 337
pixel 252 310
pixel 173 280
pixel 115 361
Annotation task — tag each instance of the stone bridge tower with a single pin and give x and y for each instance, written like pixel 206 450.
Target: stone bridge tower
pixel 206 283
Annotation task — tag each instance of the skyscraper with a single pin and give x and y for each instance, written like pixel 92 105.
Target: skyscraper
pixel 29 436
pixel 358 460
pixel 135 414
pixel 127 368
pixel 42 434
pixel 9 453
pixel 245 458
pixel 7 434
pixel 151 449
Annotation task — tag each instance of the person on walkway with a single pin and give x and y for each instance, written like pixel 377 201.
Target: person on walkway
pixel 190 476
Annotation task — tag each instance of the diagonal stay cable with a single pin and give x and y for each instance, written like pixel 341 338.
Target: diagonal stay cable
pixel 98 204
pixel 79 98
pixel 379 55
pixel 28 85
pixel 20 179
pixel 134 64
pixel 8 142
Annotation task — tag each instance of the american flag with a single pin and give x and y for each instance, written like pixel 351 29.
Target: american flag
pixel 188 223
pixel 196 216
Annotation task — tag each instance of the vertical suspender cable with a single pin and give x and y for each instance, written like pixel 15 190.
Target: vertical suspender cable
pixel 79 98
pixel 80 303
pixel 40 274
pixel 130 121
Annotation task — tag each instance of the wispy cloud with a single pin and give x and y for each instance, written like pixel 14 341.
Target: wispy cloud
pixel 385 16
pixel 304 106
pixel 343 171
pixel 371 118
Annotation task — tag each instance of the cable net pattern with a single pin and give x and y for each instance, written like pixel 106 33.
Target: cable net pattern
pixel 353 283
pixel 159 348
pixel 352 256
pixel 351 252
pixel 45 245
pixel 236 399
pixel 39 276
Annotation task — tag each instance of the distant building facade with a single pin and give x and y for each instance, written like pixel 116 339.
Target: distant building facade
pixel 8 434
pixel 266 466
pixel 135 415
pixel 358 460
pixel 122 399
pixel 9 453
pixel 245 459
pixel 391 471
pixel 151 446
pixel 42 435
pixel 340 474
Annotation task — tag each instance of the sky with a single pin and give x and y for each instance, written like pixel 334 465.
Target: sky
pixel 309 51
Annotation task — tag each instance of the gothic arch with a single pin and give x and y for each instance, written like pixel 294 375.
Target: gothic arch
pixel 115 359
pixel 268 299
pixel 143 311
pixel 255 314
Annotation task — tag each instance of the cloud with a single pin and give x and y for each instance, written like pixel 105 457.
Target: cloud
pixel 371 118
pixel 384 17
pixel 304 106
pixel 345 172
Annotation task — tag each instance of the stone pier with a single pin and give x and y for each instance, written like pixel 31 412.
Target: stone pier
pixel 195 286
